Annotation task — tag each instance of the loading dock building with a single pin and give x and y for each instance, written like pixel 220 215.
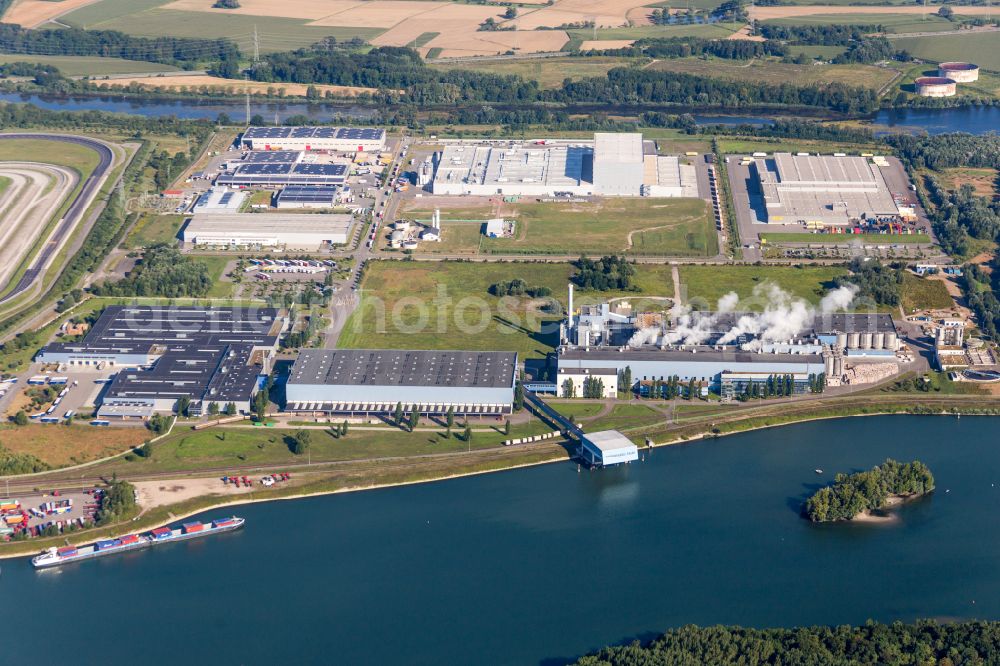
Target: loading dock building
pixel 205 354
pixel 373 381
pixel 828 189
pixel 608 447
pixel 343 139
pixel 268 230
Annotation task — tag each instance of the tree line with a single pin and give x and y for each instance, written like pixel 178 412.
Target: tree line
pixel 914 644
pixel 856 493
pixel 114 44
pixel 685 47
pixel 818 35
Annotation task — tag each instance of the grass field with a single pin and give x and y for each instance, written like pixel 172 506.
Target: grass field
pixel 706 284
pixel 247 446
pixel 90 65
pixel 665 227
pixel 775 72
pixel 791 237
pixel 422 305
pixel 982 48
pixel 624 417
pixel 824 52
pixel 713 31
pixel 549 72
pixel 892 23
pixel 151 229
pixel 61 445
pixel 82 159
pixel 745 146
pixel 919 293
pixel 144 17
pixel 985 182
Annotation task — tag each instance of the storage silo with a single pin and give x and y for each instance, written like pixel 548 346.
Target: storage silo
pixel 828 365
pixel 878 341
pixel 853 340
pixel 891 341
pixel 866 340
pixel 841 341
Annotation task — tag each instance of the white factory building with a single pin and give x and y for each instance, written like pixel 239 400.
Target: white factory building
pixel 608 447
pixel 828 189
pixel 268 230
pixel 341 139
pixel 613 164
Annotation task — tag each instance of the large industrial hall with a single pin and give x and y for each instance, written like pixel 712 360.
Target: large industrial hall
pixel 374 381
pixel 828 189
pixel 613 164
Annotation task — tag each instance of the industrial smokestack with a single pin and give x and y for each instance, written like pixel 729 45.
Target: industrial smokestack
pixel 570 312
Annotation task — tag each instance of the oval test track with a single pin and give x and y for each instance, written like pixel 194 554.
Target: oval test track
pixel 74 213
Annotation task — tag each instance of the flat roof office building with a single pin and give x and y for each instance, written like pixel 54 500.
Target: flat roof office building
pixel 344 139
pixel 373 381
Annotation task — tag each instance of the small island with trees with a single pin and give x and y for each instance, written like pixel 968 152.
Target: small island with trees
pixel 857 495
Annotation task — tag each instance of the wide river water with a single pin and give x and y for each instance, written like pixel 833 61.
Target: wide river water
pixel 539 565
pixel 975 120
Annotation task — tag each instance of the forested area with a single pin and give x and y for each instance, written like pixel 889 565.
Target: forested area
pixel 876 282
pixel 981 290
pixel 117 503
pixel 163 271
pixel 916 644
pixel 820 35
pixel 869 49
pixel 853 494
pixel 606 274
pixel 632 86
pixel 684 47
pixel 960 214
pixel 111 43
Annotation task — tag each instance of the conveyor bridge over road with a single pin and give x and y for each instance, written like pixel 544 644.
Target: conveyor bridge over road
pixel 548 412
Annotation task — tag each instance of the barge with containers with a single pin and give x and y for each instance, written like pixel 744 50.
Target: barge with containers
pixel 54 557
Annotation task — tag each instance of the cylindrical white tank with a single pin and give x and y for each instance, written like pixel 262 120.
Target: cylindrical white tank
pixel 878 341
pixel 959 72
pixel 828 366
pixel 866 340
pixel 853 340
pixel 838 366
pixel 935 86
pixel 891 341
pixel 841 340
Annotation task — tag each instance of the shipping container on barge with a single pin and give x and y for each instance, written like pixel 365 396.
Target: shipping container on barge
pixel 192 530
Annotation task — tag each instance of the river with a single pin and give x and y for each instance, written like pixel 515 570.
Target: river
pixel 539 565
pixel 976 120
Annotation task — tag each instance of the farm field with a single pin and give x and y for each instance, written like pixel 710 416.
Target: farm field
pixel 148 18
pixel 447 305
pixel 868 12
pixel 982 47
pixel 665 227
pixel 891 23
pixel 704 285
pixel 708 31
pixel 89 65
pixel 183 83
pixel 776 72
pixel 33 13
pixel 549 72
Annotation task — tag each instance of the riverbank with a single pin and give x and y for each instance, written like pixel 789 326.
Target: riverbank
pixel 363 475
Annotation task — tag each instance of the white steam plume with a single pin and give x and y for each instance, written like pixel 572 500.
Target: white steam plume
pixel 838 299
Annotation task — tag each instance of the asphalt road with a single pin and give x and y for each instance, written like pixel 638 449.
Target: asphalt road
pixel 75 212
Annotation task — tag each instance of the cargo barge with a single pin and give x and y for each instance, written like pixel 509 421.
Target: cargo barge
pixel 57 556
